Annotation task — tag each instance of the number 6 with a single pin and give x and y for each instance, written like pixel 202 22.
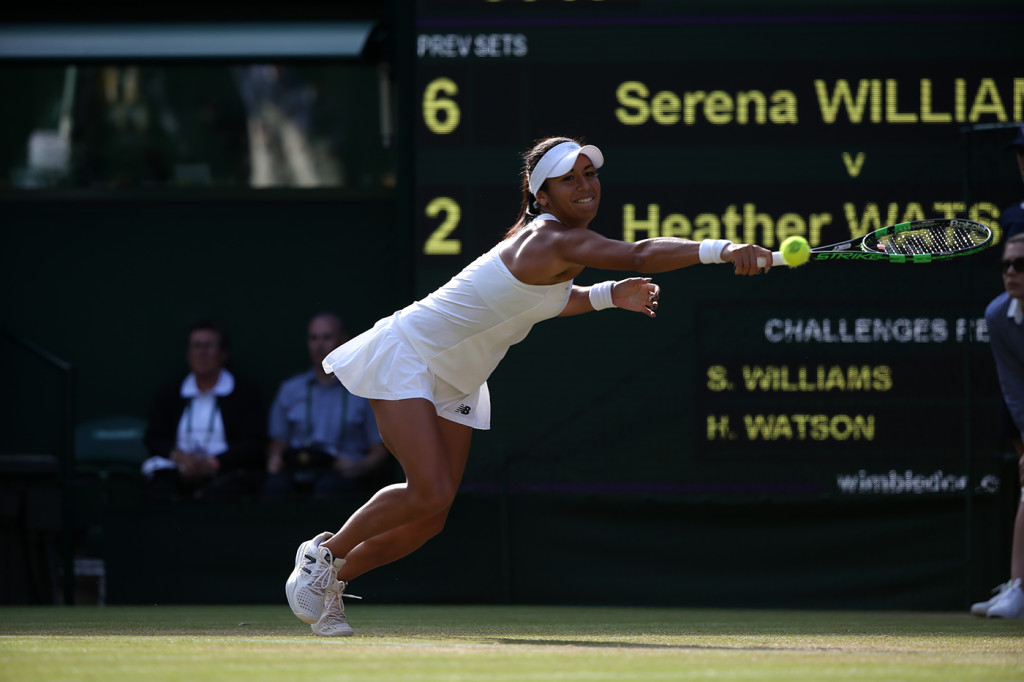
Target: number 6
pixel 440 112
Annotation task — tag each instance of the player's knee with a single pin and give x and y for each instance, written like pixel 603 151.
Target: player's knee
pixel 434 525
pixel 433 499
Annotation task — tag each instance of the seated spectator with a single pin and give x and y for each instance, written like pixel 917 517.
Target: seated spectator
pixel 207 431
pixel 323 439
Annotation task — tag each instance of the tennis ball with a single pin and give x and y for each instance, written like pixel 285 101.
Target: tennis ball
pixel 795 251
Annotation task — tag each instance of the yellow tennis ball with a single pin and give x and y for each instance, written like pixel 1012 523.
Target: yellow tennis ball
pixel 795 251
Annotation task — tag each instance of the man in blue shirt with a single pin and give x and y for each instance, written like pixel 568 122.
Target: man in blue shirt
pixel 1005 319
pixel 323 439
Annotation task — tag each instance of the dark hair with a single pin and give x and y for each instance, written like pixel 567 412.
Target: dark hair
pixel 529 209
pixel 214 325
pixel 1014 238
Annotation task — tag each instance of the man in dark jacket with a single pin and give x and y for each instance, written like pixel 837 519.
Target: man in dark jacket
pixel 207 432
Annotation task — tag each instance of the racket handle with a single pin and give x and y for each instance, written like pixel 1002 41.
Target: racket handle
pixel 776 260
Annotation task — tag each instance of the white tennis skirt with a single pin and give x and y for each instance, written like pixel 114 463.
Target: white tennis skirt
pixel 380 364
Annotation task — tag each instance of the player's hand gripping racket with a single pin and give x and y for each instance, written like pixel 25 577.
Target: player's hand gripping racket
pixel 919 241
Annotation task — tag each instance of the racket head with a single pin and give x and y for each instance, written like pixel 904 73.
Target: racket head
pixel 922 241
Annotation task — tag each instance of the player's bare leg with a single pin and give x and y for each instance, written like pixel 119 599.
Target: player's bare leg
pixel 401 517
pixel 401 541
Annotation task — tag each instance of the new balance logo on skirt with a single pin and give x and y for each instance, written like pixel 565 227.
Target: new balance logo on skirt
pixel 463 409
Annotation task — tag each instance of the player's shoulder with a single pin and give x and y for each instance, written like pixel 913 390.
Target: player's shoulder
pixel 542 235
pixel 575 235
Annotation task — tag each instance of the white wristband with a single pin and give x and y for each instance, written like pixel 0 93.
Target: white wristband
pixel 601 295
pixel 711 250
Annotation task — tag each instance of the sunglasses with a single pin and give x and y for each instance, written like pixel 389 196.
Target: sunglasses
pixel 1017 263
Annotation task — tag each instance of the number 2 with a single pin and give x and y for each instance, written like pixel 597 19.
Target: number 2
pixel 439 243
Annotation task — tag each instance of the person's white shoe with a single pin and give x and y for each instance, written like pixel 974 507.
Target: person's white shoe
pixel 315 571
pixel 981 608
pixel 333 622
pixel 1010 603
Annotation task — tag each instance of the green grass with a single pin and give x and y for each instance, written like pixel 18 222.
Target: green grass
pixel 474 643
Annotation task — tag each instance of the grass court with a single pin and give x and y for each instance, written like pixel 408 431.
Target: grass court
pixel 507 643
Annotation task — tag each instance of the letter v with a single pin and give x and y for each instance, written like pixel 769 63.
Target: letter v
pixel 853 166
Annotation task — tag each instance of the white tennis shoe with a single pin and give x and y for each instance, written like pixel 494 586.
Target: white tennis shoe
pixel 316 570
pixel 1009 604
pixel 333 622
pixel 981 608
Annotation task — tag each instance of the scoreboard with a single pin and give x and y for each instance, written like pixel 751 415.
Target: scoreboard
pixel 748 122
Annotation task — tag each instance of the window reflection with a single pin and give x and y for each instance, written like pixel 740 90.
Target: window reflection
pixel 124 126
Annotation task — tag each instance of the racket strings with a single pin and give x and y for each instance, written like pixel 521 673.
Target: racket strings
pixel 936 240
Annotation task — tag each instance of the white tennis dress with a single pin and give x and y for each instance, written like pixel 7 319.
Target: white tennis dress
pixel 444 346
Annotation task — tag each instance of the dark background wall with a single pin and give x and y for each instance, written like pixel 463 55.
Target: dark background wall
pixel 111 287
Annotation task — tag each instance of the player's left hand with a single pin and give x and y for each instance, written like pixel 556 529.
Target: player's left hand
pixel 638 294
pixel 744 258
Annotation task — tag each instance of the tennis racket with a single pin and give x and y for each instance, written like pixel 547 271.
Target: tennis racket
pixel 918 241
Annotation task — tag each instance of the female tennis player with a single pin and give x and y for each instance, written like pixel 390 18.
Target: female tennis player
pixel 425 368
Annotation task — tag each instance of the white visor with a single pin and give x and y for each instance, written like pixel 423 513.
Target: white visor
pixel 559 160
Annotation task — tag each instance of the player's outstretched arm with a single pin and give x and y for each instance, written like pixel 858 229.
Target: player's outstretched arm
pixel 638 294
pixel 654 255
